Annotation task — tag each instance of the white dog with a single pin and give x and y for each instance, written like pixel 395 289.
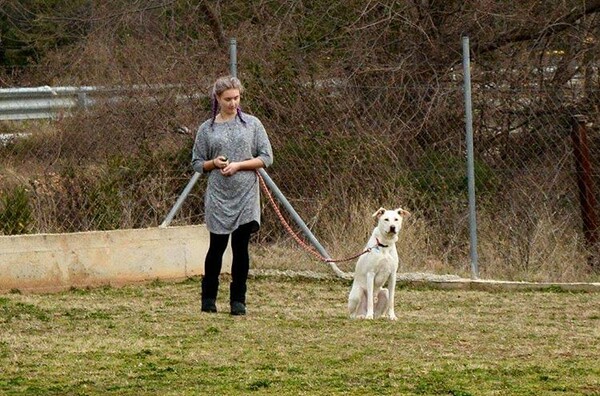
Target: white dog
pixel 368 298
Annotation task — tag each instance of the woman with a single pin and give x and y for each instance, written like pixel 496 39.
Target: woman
pixel 229 147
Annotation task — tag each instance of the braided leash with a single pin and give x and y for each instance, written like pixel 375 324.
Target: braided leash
pixel 295 236
pixel 367 250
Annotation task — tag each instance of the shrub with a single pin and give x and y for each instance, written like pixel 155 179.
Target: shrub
pixel 15 212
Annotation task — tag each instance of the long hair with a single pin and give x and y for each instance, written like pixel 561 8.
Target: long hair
pixel 221 85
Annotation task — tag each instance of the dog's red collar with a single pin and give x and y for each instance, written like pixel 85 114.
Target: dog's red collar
pixel 379 244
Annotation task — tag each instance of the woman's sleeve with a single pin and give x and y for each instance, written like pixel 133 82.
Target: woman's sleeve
pixel 263 145
pixel 200 150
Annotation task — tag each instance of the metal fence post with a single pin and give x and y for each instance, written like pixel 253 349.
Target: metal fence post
pixel 470 155
pixel 233 57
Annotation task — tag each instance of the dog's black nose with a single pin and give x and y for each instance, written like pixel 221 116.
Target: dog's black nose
pixel 393 229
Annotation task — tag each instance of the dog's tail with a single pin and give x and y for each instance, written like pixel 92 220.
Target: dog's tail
pixel 339 272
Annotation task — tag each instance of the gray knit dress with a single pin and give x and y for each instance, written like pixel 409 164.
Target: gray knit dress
pixel 231 201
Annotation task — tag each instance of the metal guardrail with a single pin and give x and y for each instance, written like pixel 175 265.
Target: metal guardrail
pixel 52 102
pixel 42 102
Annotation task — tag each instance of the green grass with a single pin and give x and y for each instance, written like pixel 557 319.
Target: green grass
pixel 297 340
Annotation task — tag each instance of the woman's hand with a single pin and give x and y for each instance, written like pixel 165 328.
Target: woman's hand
pixel 230 169
pixel 220 162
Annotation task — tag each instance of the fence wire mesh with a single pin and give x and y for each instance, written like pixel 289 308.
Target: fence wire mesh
pixel 343 148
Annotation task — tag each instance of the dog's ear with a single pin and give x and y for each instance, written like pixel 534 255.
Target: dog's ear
pixel 379 212
pixel 402 212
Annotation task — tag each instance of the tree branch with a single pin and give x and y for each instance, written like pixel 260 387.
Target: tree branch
pixel 521 34
pixel 214 22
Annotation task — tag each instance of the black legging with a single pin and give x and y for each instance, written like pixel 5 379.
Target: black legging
pixel 240 264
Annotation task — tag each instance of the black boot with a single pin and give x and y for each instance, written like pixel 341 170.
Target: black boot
pixel 210 288
pixel 237 298
pixel 238 308
pixel 209 305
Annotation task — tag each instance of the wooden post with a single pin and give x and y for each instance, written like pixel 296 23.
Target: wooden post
pixel 587 199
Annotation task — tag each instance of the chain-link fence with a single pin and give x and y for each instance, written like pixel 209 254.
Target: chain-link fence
pixel 343 148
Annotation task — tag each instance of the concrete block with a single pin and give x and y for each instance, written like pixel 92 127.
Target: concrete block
pixel 53 262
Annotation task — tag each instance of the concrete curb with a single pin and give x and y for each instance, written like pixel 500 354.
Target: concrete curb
pixel 54 262
pixel 444 282
pixel 504 286
pixel 453 282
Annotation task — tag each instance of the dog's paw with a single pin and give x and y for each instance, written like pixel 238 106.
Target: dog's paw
pixel 369 316
pixel 392 316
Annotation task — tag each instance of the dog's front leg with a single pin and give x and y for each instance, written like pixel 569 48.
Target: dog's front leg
pixel 392 292
pixel 370 286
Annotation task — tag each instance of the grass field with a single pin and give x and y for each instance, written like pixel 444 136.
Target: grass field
pixel 297 340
